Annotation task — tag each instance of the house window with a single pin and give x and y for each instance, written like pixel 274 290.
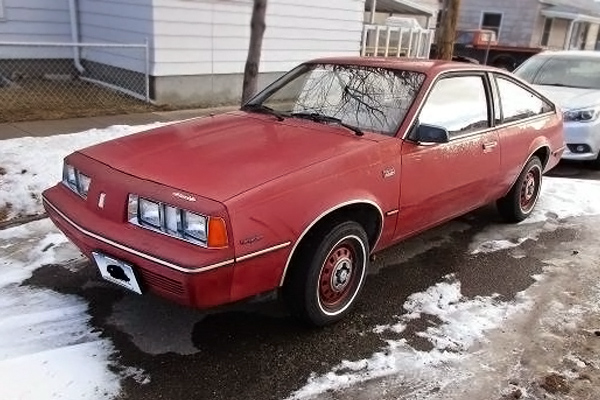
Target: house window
pixel 492 21
pixel 546 32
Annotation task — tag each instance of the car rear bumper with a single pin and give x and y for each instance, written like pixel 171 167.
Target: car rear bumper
pixel 586 134
pixel 184 278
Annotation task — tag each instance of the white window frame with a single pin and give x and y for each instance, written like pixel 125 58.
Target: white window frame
pixel 501 21
pixel 546 19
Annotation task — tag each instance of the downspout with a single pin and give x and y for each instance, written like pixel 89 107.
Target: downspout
pixel 75 35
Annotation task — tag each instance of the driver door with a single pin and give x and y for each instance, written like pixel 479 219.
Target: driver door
pixel 441 181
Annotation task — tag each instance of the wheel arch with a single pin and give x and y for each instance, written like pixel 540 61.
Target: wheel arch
pixel 504 60
pixel 361 211
pixel 542 152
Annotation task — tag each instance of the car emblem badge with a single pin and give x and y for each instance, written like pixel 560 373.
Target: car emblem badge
pixel 101 200
pixel 388 172
pixel 187 197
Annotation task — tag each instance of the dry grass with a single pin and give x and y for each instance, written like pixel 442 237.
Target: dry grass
pixel 40 99
pixel 555 383
pixel 5 211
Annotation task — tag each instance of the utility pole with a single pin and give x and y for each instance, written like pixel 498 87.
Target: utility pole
pixel 447 31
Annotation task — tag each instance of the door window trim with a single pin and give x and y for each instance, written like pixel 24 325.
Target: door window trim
pixel 452 74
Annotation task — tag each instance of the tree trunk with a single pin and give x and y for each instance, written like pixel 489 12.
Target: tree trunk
pixel 447 34
pixel 257 31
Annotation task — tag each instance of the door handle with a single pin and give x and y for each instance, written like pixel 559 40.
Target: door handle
pixel 490 145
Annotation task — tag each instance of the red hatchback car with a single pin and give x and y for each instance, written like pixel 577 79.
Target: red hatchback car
pixel 336 160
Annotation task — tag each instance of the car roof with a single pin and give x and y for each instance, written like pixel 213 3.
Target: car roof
pixel 410 64
pixel 571 53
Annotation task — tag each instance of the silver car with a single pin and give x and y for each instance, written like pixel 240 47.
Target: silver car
pixel 572 80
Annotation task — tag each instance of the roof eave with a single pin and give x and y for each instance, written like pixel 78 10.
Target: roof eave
pixel 406 7
pixel 571 16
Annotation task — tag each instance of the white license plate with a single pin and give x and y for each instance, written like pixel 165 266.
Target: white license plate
pixel 117 271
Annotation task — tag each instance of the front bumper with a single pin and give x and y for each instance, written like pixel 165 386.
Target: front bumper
pixel 582 133
pixel 187 277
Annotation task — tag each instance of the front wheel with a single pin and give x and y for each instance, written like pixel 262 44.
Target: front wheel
pixel 325 281
pixel 595 164
pixel 519 203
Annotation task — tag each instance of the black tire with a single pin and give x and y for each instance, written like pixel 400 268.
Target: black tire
pixel 325 279
pixel 595 164
pixel 519 203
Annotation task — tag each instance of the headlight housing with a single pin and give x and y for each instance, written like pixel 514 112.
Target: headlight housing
pixel 75 180
pixel 583 115
pixel 176 222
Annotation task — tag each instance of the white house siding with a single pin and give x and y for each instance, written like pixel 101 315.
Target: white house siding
pixel 211 37
pixel 433 5
pixel 35 21
pixel 518 18
pixel 117 22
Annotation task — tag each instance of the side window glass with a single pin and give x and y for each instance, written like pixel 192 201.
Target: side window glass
pixel 519 103
pixel 458 104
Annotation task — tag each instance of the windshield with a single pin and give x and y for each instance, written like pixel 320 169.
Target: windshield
pixel 370 99
pixel 574 71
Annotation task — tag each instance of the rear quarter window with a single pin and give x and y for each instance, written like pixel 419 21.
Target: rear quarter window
pixel 519 103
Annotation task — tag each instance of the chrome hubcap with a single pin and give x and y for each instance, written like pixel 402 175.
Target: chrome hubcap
pixel 341 274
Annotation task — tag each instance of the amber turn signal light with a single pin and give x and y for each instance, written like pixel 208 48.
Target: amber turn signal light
pixel 217 233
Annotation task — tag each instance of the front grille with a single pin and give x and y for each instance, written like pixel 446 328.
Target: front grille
pixel 162 283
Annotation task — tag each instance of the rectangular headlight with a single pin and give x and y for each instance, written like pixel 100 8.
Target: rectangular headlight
pixel 176 222
pixel 70 176
pixel 173 223
pixel 149 213
pixel 84 184
pixel 194 226
pixel 75 180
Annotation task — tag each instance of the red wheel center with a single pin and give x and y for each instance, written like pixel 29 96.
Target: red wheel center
pixel 337 276
pixel 528 190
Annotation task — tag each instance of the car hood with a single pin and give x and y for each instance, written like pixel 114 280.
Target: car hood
pixel 221 156
pixel 569 98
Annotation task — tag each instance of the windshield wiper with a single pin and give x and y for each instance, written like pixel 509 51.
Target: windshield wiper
pixel 563 85
pixel 313 116
pixel 554 84
pixel 261 108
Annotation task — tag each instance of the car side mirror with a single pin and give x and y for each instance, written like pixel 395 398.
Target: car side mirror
pixel 431 134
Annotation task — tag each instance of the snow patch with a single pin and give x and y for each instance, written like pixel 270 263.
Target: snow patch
pixel 564 197
pixel 560 198
pixel 48 349
pixel 33 164
pixel 490 246
pixel 463 323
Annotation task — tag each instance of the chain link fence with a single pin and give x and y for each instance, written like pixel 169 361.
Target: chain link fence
pixel 61 80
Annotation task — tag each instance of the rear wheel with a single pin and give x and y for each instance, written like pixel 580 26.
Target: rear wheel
pixel 326 277
pixel 519 203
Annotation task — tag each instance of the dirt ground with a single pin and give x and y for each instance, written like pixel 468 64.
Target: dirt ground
pixel 39 99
